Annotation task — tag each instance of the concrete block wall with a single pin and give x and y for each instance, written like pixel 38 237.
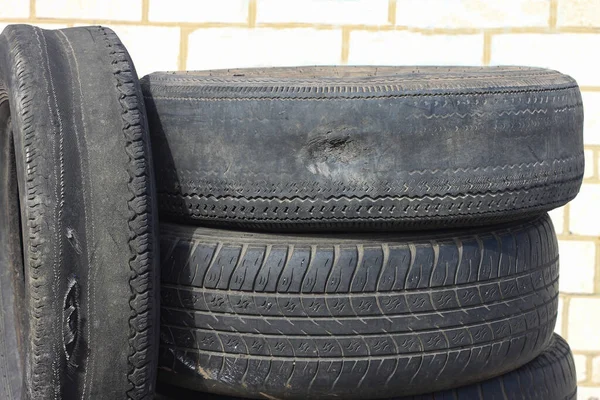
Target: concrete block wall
pixel 558 34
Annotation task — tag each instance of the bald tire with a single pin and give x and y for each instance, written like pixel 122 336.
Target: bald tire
pixel 78 280
pixel 364 148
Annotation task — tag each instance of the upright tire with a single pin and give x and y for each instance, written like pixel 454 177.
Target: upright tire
pixel 78 231
pixel 364 148
pixel 353 316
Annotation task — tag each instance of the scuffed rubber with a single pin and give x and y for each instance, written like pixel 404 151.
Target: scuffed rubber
pixel 364 148
pixel 72 105
pixel 550 376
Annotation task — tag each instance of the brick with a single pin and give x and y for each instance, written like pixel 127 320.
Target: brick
pixel 577 261
pixel 591 122
pixel 588 393
pixel 472 13
pixel 580 367
pixel 578 13
pixel 369 12
pixel 114 10
pixel 559 320
pixel 582 215
pixel 558 219
pixel 14 9
pixel 406 48
pixel 198 11
pixel 590 164
pixel 596 369
pixel 151 48
pixel 262 47
pixel 584 324
pixel 565 52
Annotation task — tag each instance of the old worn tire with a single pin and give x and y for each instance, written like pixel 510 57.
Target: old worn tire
pixel 550 376
pixel 359 148
pixel 354 316
pixel 78 277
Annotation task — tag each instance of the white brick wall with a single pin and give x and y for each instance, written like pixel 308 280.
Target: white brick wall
pixel 588 393
pixel 395 47
pixel 566 52
pixel 591 109
pixel 578 13
pixel 558 219
pixel 14 9
pixel 581 367
pixel 584 324
pixel 472 13
pixel 584 218
pixel 198 11
pixel 578 259
pixel 151 48
pixel 559 317
pixel 114 10
pixel 372 12
pixel 232 47
pixel 596 369
pixel 590 162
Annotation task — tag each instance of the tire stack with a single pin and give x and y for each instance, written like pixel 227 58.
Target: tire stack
pixel 327 233
pixel 363 232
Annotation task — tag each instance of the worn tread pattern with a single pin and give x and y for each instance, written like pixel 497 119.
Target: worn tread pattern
pixel 323 316
pixel 142 322
pixel 550 376
pixel 36 210
pixel 269 158
pixel 273 212
pixel 87 204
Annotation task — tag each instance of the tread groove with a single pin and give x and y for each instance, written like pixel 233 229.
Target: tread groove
pixel 383 309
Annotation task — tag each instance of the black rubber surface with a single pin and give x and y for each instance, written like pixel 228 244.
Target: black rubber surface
pixel 354 316
pixel 78 281
pixel 550 376
pixel 359 148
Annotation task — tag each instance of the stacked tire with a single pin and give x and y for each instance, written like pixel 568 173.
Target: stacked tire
pixel 348 233
pixel 363 232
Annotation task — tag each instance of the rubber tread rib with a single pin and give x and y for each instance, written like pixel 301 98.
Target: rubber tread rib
pixel 325 316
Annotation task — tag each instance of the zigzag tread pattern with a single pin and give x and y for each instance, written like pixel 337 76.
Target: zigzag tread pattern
pixel 396 210
pixel 524 112
pixel 246 93
pixel 36 213
pixel 347 87
pixel 141 320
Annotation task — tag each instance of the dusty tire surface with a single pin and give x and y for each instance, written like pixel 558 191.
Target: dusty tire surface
pixel 550 376
pixel 79 234
pixel 363 148
pixel 353 316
